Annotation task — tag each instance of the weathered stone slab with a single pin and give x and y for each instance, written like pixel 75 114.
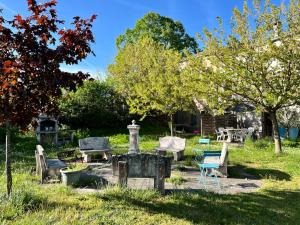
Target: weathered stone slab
pixel 142 166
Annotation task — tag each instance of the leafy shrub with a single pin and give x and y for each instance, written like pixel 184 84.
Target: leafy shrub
pixel 148 138
pixel 14 133
pixel 154 126
pixel 189 161
pixel 119 139
pixel 290 143
pixel 79 134
pixel 94 105
pixel 176 180
pixel 260 144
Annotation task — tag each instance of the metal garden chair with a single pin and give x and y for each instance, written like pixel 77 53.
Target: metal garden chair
pixel 199 152
pixel 213 164
pixel 206 170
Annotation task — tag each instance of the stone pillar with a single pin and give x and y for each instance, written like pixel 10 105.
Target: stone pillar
pixel 123 173
pixel 133 138
pixel 159 180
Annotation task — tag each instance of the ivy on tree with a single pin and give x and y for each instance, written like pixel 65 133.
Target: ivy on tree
pixel 32 49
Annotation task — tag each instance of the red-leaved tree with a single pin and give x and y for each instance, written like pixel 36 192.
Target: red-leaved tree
pixel 32 49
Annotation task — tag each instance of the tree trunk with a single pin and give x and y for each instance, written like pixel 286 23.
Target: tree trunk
pixel 8 160
pixel 276 135
pixel 171 124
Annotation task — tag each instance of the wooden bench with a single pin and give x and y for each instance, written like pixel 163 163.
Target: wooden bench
pixel 175 145
pixel 95 145
pixel 47 168
pixel 142 166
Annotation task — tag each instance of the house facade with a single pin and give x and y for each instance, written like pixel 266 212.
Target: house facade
pixel 207 124
pixel 203 123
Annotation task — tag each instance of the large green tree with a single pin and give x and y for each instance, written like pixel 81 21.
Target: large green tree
pixel 162 29
pixel 150 78
pixel 257 63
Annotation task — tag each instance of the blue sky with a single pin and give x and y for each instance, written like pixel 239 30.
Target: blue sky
pixel 115 16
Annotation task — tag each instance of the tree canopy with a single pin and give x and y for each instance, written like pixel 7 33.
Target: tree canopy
pixel 32 49
pixel 257 63
pixel 150 78
pixel 161 29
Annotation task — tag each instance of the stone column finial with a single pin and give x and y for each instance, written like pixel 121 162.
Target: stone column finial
pixel 133 138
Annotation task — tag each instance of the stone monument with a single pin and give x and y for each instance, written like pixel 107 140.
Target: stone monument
pixel 133 138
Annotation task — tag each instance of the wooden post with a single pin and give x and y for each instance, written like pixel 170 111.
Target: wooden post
pixel 123 173
pixel 8 159
pixel 159 181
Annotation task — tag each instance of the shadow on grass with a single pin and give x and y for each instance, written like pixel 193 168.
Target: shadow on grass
pixel 208 208
pixel 241 171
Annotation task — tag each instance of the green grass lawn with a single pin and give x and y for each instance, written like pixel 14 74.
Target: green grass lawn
pixel 277 202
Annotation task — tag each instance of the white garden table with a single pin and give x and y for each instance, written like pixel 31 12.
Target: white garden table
pixel 231 132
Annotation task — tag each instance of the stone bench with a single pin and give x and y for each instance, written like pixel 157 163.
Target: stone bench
pixel 175 145
pixel 94 145
pixel 47 167
pixel 142 166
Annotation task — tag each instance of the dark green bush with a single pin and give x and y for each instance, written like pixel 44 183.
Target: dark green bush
pixel 290 143
pixel 14 134
pixel 94 105
pixel 262 143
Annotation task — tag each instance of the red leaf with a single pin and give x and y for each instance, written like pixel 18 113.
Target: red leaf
pixel 45 38
pixel 5 85
pixel 7 63
pixel 61 32
pixel 40 20
pixel 19 18
pixel 93 18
